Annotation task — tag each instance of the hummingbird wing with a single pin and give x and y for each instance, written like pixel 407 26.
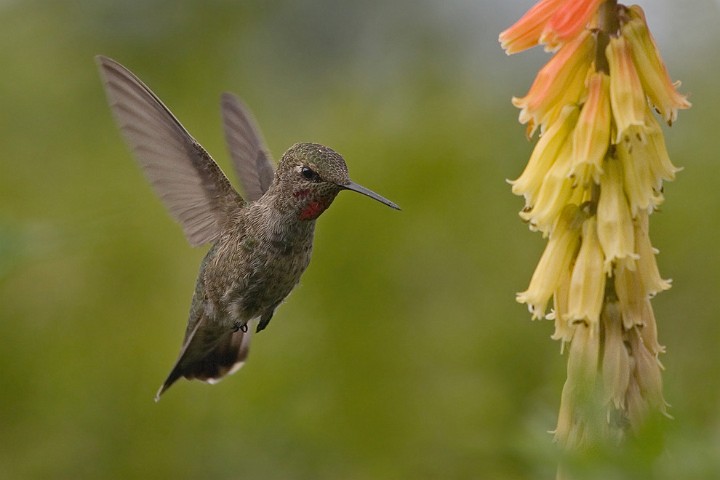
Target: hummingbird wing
pixel 210 352
pixel 250 156
pixel 185 177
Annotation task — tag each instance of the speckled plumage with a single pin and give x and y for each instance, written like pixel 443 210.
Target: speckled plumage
pixel 260 247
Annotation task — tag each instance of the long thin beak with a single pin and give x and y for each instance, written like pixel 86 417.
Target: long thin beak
pixel 365 191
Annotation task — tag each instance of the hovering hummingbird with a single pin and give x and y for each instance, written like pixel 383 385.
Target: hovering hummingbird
pixel 261 245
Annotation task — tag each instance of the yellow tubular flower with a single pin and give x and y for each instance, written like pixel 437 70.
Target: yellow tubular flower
pixel 544 156
pixel 555 193
pixel 565 422
pixel 631 296
pixel 555 260
pixel 649 329
pixel 647 266
pixel 563 330
pixel 616 359
pixel 587 284
pixel 592 133
pixel 640 184
pixel 657 155
pixel 647 373
pixel 626 94
pixel 651 69
pixel 615 226
pixel 576 422
pixel 637 407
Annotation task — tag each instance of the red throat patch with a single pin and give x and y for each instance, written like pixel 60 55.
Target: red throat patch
pixel 313 210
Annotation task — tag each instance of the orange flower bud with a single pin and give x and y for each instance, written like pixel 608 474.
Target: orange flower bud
pixel 559 83
pixel 525 33
pixel 567 22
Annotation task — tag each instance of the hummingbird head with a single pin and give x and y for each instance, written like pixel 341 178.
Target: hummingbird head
pixel 311 175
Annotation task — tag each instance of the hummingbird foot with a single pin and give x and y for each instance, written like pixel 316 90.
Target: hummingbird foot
pixel 237 326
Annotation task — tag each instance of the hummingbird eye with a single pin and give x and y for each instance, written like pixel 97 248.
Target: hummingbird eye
pixel 309 174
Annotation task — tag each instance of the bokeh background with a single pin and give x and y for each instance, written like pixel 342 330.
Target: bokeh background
pixel 402 353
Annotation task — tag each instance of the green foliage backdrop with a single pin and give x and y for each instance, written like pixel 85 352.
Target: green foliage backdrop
pixel 402 354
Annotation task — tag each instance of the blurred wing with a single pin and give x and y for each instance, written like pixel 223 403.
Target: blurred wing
pixel 247 148
pixel 184 176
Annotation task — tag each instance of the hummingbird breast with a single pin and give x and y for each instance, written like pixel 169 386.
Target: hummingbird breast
pixel 255 265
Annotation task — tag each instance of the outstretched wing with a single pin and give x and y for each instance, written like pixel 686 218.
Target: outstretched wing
pixel 189 182
pixel 247 148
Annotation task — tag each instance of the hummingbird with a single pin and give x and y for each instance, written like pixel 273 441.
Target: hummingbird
pixel 261 244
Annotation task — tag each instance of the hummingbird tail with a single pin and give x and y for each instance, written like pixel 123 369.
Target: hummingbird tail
pixel 209 354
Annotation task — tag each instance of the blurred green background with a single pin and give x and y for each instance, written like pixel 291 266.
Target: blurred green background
pixel 402 354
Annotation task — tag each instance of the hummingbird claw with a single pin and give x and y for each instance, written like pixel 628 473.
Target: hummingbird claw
pixel 240 327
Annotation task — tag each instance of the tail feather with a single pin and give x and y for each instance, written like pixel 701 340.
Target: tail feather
pixel 209 354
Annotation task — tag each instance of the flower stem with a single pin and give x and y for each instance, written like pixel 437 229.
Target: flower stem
pixel 608 24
